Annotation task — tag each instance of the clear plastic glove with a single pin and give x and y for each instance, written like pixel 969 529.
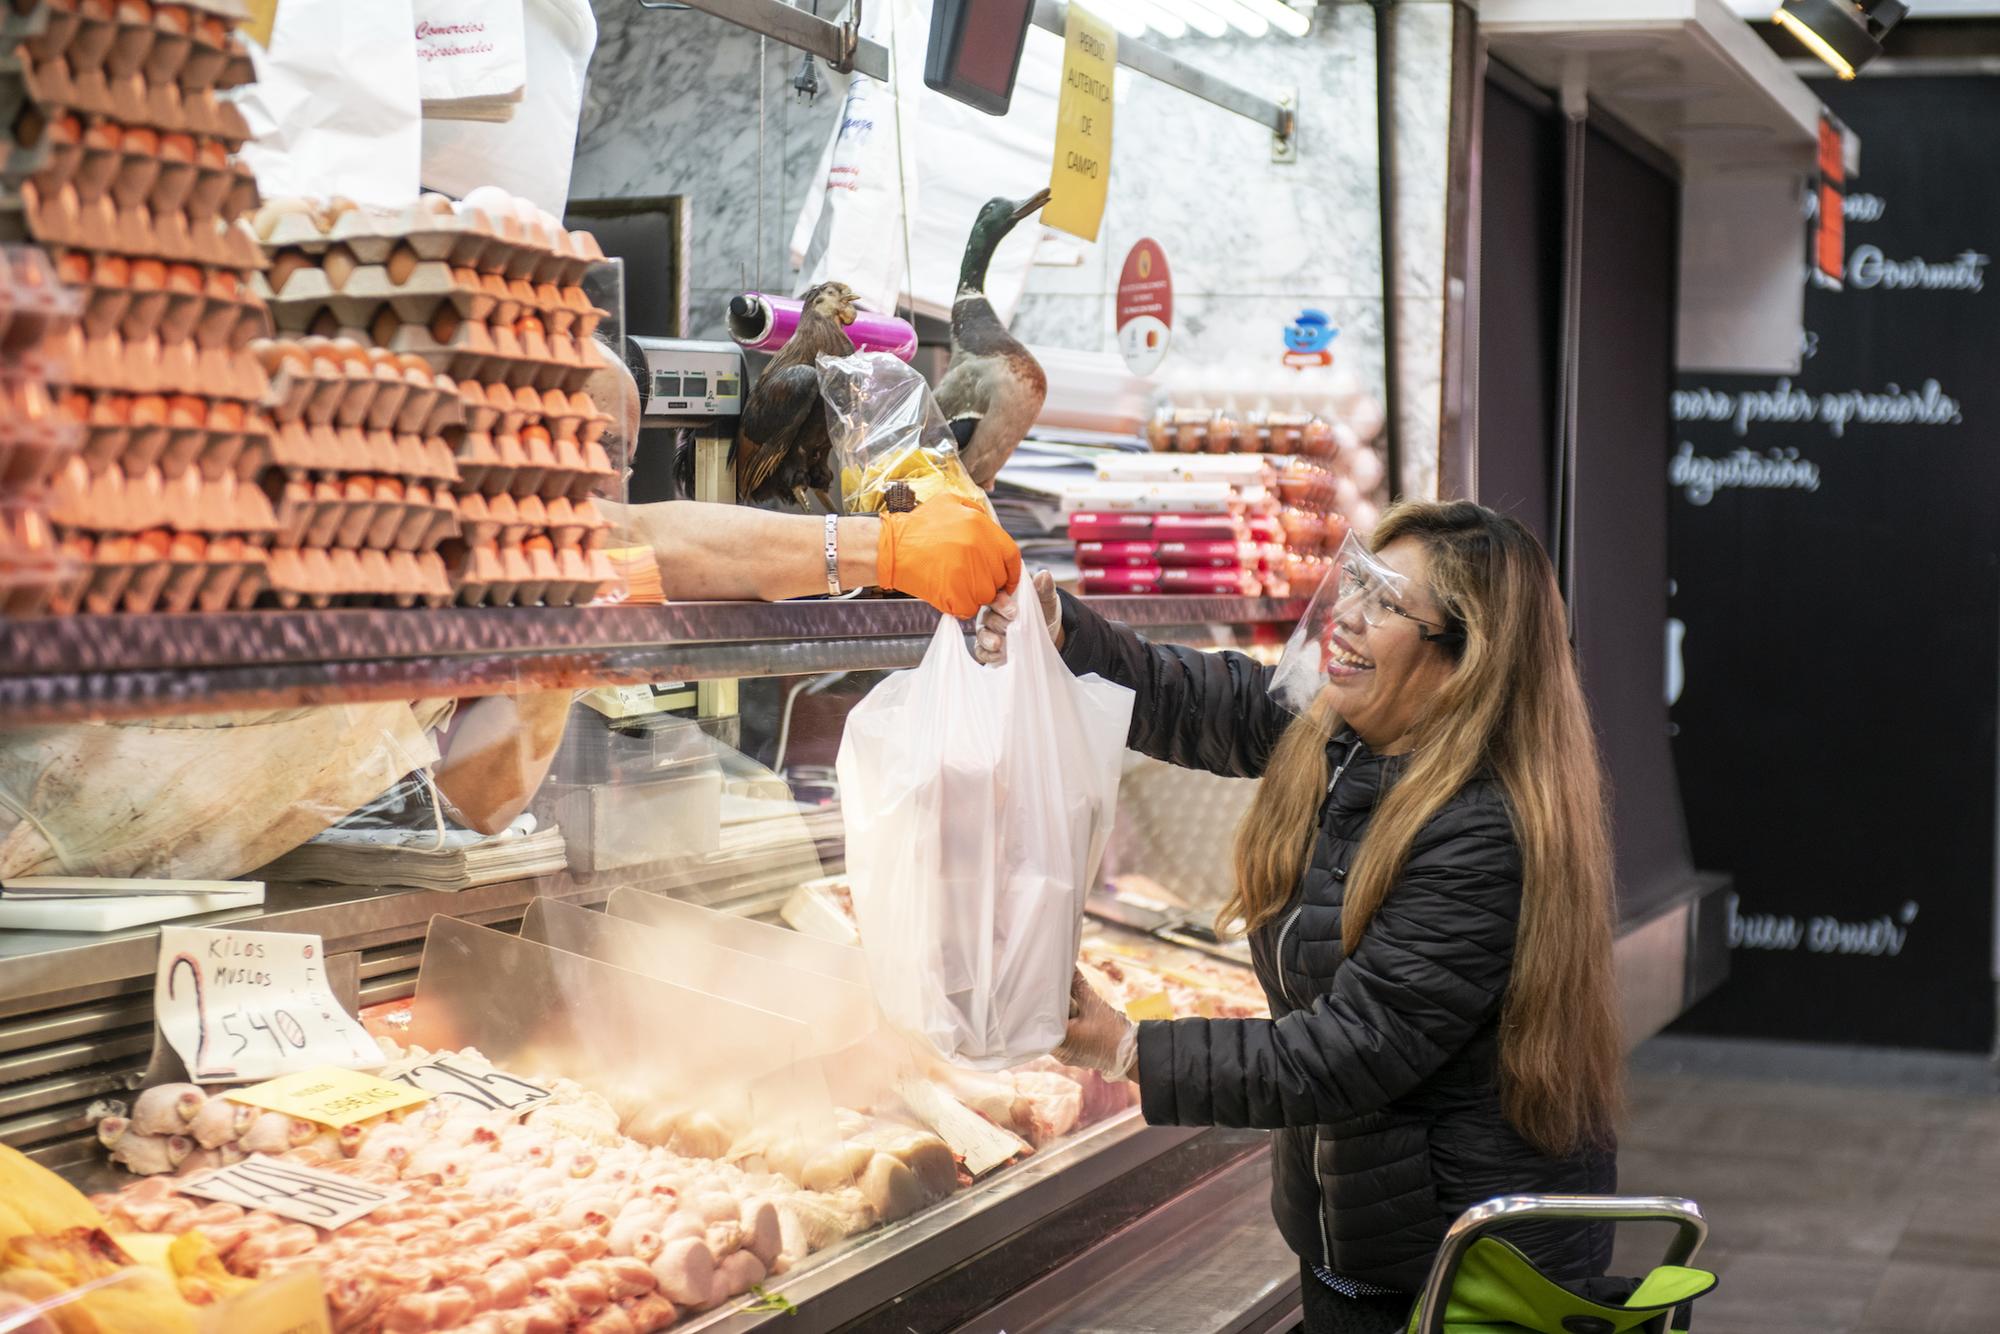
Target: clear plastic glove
pixel 948 552
pixel 989 645
pixel 1100 1037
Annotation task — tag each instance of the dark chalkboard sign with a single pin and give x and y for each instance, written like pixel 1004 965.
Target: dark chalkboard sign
pixel 1835 546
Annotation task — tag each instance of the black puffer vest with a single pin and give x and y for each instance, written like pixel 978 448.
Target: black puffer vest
pixel 1378 1072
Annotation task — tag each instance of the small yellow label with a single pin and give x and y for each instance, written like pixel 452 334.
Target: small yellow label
pixel 292 1303
pixel 1155 1006
pixel 330 1096
pixel 263 17
pixel 1080 177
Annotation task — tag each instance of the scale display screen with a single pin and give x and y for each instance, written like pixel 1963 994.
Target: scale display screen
pixel 975 50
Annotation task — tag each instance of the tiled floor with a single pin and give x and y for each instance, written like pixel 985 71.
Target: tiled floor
pixel 1848 1194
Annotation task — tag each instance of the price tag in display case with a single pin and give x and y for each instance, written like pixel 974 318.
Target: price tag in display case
pixel 291 1190
pixel 482 1086
pixel 241 1006
pixel 330 1096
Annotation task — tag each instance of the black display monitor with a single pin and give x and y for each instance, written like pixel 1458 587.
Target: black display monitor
pixel 975 50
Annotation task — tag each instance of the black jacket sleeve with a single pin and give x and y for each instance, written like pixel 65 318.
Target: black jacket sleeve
pixel 1210 711
pixel 1430 972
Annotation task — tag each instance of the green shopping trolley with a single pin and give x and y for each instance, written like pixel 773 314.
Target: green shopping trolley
pixel 1480 1284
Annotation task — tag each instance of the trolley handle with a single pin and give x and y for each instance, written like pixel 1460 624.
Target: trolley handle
pixel 1483 1218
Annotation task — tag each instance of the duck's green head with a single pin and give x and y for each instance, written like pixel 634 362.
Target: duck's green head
pixel 995 220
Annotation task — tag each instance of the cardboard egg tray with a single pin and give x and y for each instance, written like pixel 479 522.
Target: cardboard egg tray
pixel 133 166
pixel 175 433
pixel 346 385
pixel 61 218
pixel 318 578
pixel 152 366
pixel 531 464
pixel 535 572
pixel 154 544
pixel 36 435
pixel 192 45
pixel 299 287
pixel 38 571
pixel 432 229
pixel 141 298
pixel 361 511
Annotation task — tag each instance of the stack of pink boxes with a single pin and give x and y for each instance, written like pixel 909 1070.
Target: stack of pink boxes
pixel 1156 523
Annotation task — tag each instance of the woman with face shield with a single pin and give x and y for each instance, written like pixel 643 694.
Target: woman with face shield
pixel 1425 879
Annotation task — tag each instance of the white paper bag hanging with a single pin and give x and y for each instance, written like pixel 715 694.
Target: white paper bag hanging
pixel 472 58
pixel 977 803
pixel 531 155
pixel 335 109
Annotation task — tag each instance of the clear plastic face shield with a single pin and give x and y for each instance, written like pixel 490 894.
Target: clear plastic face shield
pixel 1359 593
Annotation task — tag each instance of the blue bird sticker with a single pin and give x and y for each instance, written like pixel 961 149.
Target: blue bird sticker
pixel 1309 340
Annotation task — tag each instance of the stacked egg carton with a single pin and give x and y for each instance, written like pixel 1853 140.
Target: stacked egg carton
pixel 121 165
pixel 37 573
pixel 360 473
pixel 494 308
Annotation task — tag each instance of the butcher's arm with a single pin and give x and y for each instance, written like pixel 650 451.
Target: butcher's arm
pixel 732 553
pixel 497 753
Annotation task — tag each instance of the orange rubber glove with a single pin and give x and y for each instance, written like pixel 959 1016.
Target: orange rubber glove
pixel 948 552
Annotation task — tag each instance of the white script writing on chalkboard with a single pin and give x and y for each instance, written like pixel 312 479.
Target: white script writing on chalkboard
pixel 1877 937
pixel 1868 267
pixel 1700 477
pixel 1786 403
pixel 1854 208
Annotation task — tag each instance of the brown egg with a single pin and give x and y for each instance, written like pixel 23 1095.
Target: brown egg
pixel 177 148
pixel 529 324
pixel 187 548
pixel 385 325
pixel 141 141
pixel 112 271
pixel 211 153
pixel 212 31
pixel 175 19
pixel 186 412
pixel 185 278
pixel 402 263
pixel 76 405
pixel 73 267
pixel 149 410
pixel 534 435
pixel 153 544
pixel 326 324
pixel 388 488
pixel 148 275
pixel 104 135
pixel 226 415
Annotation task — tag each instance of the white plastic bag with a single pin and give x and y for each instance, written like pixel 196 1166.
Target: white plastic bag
pixel 335 108
pixel 978 802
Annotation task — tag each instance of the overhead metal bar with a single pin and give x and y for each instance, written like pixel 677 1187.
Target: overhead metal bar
pixel 838 44
pixel 1277 114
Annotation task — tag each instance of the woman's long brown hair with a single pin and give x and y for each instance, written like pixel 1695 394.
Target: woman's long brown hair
pixel 1514 707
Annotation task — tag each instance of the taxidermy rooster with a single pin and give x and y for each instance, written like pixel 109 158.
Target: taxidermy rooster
pixel 993 389
pixel 782 448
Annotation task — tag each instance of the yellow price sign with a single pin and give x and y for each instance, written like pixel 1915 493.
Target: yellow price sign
pixel 1155 1006
pixel 1080 177
pixel 330 1096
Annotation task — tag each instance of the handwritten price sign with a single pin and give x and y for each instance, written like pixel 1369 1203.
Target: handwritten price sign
pixel 238 1006
pixel 329 1096
pixel 482 1086
pixel 305 1193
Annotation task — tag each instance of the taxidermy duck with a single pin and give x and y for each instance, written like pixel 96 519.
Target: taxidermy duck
pixel 993 389
pixel 782 449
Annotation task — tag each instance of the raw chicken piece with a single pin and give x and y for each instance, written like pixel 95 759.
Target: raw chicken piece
pixel 150 1155
pixel 762 1233
pixel 653 1312
pixel 611 1320
pixel 1048 1105
pixel 270 1132
pixel 891 1189
pixel 221 1121
pixel 166 1109
pixel 685 1271
pixel 505 1284
pixel 637 1234
pixel 421 1312
pixel 588 1211
pixel 112 1129
pixel 734 1276
pixel 292 1239
pixel 201 1160
pixel 830 1216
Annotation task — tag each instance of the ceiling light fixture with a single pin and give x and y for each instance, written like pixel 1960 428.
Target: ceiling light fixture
pixel 1846 34
pixel 1191 15
pixel 1239 17
pixel 1280 16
